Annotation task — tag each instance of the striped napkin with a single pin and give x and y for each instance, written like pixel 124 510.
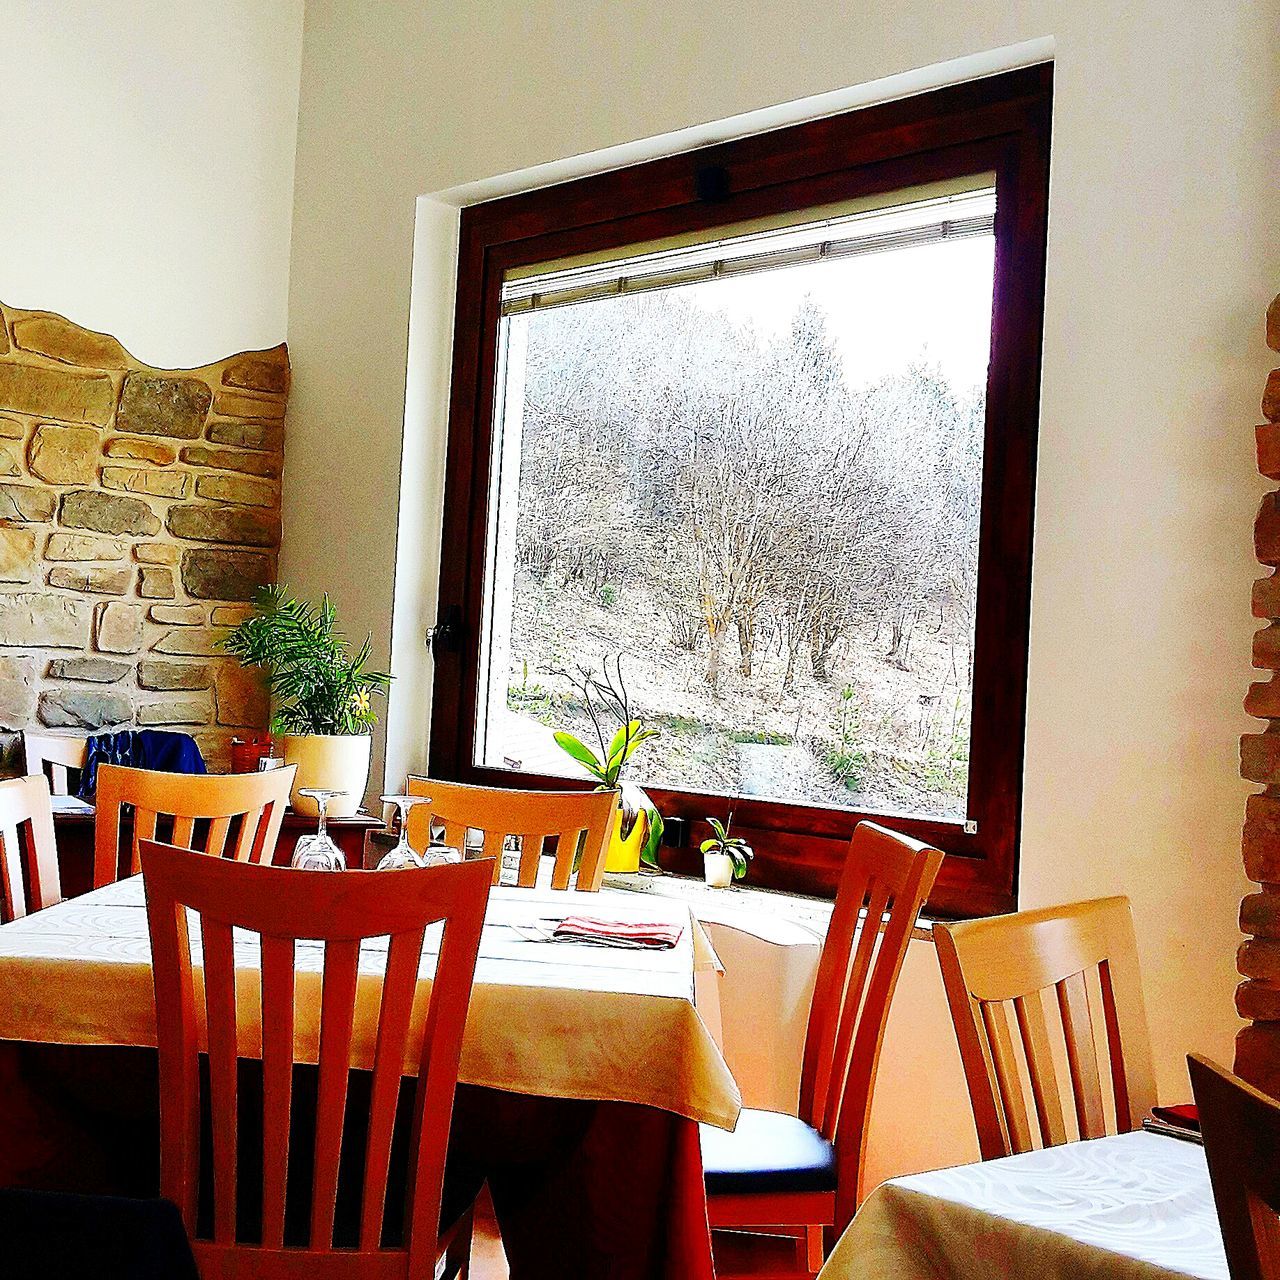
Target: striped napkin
pixel 635 935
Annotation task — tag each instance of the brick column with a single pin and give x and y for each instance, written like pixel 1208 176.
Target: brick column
pixel 1258 996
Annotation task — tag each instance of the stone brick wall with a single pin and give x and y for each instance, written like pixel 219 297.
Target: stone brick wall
pixel 138 509
pixel 1258 996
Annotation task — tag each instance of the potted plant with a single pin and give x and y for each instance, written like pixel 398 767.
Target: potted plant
pixel 724 857
pixel 322 694
pixel 637 829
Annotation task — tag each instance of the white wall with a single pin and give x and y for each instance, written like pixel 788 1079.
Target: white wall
pixel 1162 257
pixel 147 152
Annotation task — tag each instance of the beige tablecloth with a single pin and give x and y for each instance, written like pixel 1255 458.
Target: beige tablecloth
pixel 548 1019
pixel 1135 1206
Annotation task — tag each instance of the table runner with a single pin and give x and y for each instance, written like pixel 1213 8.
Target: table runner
pixel 1134 1206
pixel 548 1019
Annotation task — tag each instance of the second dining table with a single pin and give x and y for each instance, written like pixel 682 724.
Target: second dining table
pixel 1133 1206
pixel 585 1069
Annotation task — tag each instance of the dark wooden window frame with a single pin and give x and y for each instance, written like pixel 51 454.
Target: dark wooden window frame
pixel 1000 124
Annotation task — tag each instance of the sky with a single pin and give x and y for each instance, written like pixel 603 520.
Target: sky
pixel 885 308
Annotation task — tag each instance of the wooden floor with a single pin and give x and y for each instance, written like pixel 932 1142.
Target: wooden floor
pixel 739 1254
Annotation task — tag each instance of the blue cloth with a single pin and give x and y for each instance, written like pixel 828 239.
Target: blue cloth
pixel 139 749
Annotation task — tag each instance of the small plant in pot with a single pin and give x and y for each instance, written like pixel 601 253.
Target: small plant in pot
pixel 637 830
pixel 322 693
pixel 724 857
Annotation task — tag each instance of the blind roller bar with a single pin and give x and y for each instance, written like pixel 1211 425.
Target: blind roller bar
pixel 660 271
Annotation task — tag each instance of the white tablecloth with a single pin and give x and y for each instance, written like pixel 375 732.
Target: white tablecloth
pixel 548 1019
pixel 1135 1205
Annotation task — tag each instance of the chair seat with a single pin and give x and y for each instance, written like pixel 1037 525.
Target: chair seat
pixel 768 1152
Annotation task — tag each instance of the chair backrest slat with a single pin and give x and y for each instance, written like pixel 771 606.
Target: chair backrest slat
pixel 12 891
pixel 53 756
pixel 849 1009
pixel 216 842
pixel 342 912
pixel 219 968
pixel 399 983
pixel 885 881
pixel 1113 1000
pixel 434 1098
pixel 1241 1127
pixel 1039 967
pixel 1034 1029
pixel 256 800
pixel 337 1014
pixel 579 821
pixel 1008 1074
pixel 27 845
pixel 1082 1062
pixel 177 1051
pixel 277 1082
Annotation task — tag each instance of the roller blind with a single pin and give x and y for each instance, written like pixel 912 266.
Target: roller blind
pixel 831 238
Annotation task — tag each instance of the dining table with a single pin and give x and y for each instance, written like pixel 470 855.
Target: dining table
pixel 1133 1206
pixel 584 1075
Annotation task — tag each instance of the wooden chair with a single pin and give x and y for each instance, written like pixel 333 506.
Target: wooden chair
pixel 580 822
pixel 1041 989
pixel 239 814
pixel 28 852
pixel 54 755
pixel 281 906
pixel 1241 1128
pixel 801 1174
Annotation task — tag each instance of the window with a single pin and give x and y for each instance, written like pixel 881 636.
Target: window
pixel 774 447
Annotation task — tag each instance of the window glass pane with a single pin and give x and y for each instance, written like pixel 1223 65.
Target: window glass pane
pixel 763 491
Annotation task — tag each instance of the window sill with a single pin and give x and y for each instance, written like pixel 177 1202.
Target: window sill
pixel 764 912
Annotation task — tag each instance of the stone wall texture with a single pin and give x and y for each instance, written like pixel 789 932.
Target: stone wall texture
pixel 1258 996
pixel 139 510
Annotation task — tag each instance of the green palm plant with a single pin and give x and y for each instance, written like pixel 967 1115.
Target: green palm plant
pixel 317 685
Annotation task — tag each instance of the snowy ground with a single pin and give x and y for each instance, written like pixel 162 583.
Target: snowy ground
pixel 900 737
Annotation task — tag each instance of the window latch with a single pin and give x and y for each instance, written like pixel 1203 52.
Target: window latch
pixel 446 635
pixel 971 826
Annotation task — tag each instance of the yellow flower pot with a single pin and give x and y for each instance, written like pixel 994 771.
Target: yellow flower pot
pixel 623 853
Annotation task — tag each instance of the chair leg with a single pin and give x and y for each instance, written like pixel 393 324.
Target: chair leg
pixel 457 1257
pixel 798 1253
pixel 814 1249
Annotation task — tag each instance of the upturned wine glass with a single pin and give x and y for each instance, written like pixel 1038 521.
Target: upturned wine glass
pixel 319 852
pixel 403 855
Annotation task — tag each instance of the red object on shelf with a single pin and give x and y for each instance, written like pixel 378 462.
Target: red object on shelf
pixel 246 752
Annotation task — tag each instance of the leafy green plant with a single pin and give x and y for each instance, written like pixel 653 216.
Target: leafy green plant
pixel 535 700
pixel 604 698
pixel 317 686
pixel 845 758
pixel 761 737
pixel 733 847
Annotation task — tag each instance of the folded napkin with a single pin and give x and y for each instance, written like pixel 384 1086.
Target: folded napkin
pixel 1182 1121
pixel 636 935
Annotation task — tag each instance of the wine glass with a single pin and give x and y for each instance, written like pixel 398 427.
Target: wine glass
pixel 318 852
pixel 402 855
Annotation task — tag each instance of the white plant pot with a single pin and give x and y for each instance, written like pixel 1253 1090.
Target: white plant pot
pixel 717 868
pixel 335 762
